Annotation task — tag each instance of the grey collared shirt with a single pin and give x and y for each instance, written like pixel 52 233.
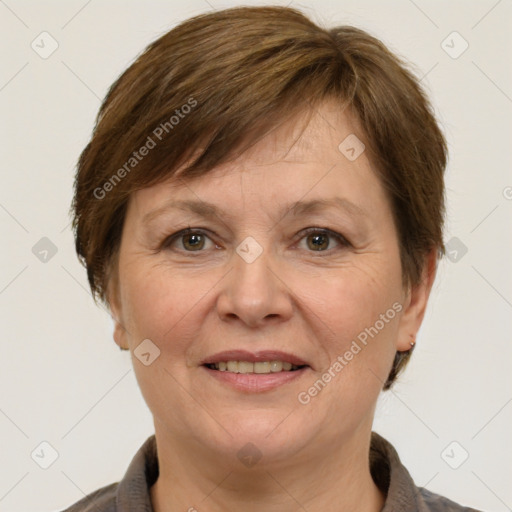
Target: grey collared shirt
pixel 131 494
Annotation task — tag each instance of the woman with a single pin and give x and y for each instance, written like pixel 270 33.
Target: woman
pixel 261 208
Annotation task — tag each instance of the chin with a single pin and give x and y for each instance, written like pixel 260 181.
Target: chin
pixel 262 438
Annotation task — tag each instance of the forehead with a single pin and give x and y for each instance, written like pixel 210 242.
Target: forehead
pixel 289 159
pixel 311 135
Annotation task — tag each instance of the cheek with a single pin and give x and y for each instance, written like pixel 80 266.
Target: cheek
pixel 157 302
pixel 359 305
pixel 350 299
pixel 360 310
pixel 160 306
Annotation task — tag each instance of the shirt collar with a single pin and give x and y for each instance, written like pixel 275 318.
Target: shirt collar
pixel 133 490
pixel 393 479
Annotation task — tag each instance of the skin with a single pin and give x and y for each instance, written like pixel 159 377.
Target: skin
pixel 293 297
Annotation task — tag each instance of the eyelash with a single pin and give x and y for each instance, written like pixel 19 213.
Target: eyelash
pixel 344 243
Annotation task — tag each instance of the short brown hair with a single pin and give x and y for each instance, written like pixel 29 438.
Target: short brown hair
pixel 240 72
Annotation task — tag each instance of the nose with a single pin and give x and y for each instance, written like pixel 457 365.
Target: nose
pixel 255 293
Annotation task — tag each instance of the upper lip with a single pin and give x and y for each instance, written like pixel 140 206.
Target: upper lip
pixel 253 357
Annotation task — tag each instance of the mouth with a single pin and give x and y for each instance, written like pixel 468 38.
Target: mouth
pixel 259 367
pixel 255 372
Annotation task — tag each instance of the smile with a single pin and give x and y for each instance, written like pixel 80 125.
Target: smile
pixel 259 367
pixel 255 371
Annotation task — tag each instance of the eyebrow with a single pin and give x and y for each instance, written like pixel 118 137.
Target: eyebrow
pixel 297 208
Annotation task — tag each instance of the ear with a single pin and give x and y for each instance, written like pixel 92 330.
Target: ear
pixel 113 299
pixel 415 304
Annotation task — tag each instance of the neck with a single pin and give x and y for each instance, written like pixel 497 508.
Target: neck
pixel 337 480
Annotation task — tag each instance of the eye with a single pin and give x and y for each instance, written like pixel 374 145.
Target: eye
pixel 195 240
pixel 190 240
pixel 318 240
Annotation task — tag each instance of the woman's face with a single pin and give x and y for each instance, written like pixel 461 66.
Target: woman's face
pixel 298 265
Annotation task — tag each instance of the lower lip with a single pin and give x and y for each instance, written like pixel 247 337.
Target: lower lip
pixel 256 382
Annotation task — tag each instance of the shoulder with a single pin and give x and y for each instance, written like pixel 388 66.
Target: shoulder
pixel 132 492
pixel 436 503
pixel 101 500
pixel 390 475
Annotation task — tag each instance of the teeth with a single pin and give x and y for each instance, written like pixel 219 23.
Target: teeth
pixel 258 367
pixel 276 366
pixel 262 367
pixel 232 366
pixel 245 367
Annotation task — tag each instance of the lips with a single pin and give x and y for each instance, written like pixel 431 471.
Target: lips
pixel 260 367
pixel 255 372
pixel 254 357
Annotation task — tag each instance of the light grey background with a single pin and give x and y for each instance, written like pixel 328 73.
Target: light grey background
pixel 62 378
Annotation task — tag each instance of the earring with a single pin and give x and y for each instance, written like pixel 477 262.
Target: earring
pixel 412 342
